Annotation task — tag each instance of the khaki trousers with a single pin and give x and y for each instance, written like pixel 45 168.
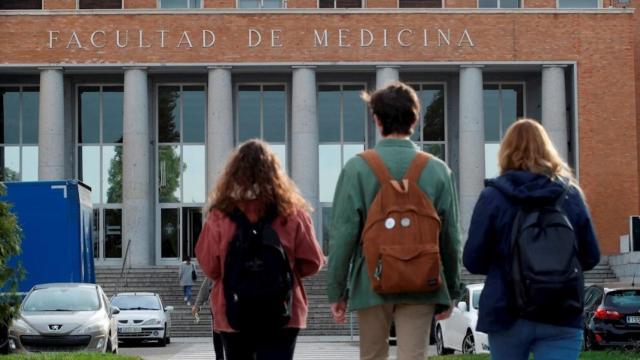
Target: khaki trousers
pixel 413 325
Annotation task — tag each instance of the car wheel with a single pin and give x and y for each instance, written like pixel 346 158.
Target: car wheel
pixel 440 343
pixel 468 344
pixel 163 342
pixel 589 344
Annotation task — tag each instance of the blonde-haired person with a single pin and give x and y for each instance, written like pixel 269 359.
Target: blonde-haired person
pixel 253 184
pixel 531 174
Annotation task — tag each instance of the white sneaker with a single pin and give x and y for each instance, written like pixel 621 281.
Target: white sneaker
pixel 185 298
pixel 188 303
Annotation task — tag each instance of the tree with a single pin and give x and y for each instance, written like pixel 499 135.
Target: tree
pixel 10 274
pixel 114 192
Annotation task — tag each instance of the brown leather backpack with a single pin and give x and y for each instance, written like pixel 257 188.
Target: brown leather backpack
pixel 400 238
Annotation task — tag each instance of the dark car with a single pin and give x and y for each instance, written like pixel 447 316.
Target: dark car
pixel 611 316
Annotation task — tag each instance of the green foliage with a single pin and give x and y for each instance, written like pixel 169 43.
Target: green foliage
pixel 114 192
pixel 70 356
pixel 10 241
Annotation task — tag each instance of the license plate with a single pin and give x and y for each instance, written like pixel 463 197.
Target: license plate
pixel 130 329
pixel 633 319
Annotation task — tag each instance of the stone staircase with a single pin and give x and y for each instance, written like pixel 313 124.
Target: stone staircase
pixel 164 280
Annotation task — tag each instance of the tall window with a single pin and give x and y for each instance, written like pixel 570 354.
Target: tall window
pixel 99 162
pixel 179 4
pixel 99 4
pixel 431 130
pixel 262 114
pixel 343 121
pixel 578 4
pixel 181 167
pixel 503 105
pixel 260 4
pixel 19 133
pixel 21 5
pixel 420 3
pixel 504 4
pixel 336 4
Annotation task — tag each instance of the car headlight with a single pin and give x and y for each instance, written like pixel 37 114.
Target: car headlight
pixel 91 329
pixel 152 322
pixel 21 327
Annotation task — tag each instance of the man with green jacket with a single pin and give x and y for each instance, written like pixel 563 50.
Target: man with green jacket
pixel 395 110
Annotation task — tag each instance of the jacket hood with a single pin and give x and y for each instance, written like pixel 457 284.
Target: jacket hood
pixel 524 186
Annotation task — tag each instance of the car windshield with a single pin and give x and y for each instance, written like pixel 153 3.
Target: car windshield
pixel 475 298
pixel 62 299
pixel 623 299
pixel 136 302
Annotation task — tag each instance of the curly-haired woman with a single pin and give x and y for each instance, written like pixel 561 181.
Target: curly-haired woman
pixel 254 186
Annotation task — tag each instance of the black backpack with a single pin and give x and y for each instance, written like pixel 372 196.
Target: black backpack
pixel 258 280
pixel 546 275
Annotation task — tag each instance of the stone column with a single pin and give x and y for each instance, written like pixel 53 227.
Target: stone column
pixel 304 135
pixel 137 179
pixel 384 76
pixel 554 107
pixel 471 139
pixel 51 135
pixel 220 136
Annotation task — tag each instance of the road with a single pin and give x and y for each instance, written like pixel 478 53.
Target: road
pixel 308 348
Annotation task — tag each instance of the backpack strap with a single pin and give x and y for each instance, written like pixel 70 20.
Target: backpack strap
pixel 417 165
pixel 377 166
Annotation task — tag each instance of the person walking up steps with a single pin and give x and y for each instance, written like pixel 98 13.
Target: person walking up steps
pixel 185 274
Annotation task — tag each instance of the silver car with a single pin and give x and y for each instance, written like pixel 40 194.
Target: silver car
pixel 142 317
pixel 65 317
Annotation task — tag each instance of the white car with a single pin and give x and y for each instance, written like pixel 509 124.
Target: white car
pixel 64 318
pixel 458 332
pixel 142 317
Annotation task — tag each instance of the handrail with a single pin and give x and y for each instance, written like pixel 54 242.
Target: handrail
pixel 123 276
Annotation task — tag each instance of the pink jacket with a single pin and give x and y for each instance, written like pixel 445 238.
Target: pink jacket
pixel 298 239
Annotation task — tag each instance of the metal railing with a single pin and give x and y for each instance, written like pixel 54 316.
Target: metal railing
pixel 123 275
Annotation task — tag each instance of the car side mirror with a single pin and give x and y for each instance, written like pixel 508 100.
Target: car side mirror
pixel 168 308
pixel 462 305
pixel 115 310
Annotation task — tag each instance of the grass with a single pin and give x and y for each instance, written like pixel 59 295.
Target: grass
pixel 69 356
pixel 592 355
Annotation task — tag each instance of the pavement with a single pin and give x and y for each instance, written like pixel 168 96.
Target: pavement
pixel 307 348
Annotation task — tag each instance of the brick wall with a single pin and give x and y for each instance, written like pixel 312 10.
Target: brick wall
pixel 309 4
pixel 382 4
pixel 472 4
pixel 220 3
pixel 59 4
pixel 140 4
pixel 540 4
pixel 604 45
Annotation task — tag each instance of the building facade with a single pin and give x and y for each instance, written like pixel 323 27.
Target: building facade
pixel 144 100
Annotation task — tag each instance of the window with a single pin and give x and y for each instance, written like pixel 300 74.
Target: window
pixel 261 113
pixel 181 160
pixel 100 116
pixel 336 4
pixel 503 4
pixel 503 105
pixel 21 5
pixel 342 135
pixel 99 4
pixel 260 4
pixel 180 4
pixel 578 4
pixel 19 133
pixel 419 3
pixel 431 131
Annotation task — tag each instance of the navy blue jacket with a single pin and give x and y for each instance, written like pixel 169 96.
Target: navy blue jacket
pixel 486 250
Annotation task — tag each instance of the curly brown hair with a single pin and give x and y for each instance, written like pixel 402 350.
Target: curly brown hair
pixel 254 172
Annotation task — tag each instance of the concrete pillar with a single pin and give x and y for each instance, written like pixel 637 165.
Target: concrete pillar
pixel 471 139
pixel 384 76
pixel 137 212
pixel 554 107
pixel 219 122
pixel 304 135
pixel 51 134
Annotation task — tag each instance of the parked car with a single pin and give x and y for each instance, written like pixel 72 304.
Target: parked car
pixel 142 317
pixel 65 317
pixel 612 316
pixel 458 332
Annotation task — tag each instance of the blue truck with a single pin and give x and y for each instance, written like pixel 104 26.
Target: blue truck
pixel 56 219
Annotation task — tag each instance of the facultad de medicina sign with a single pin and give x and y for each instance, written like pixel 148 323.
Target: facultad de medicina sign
pixel 255 38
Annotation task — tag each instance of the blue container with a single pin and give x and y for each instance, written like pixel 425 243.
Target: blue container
pixel 56 219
